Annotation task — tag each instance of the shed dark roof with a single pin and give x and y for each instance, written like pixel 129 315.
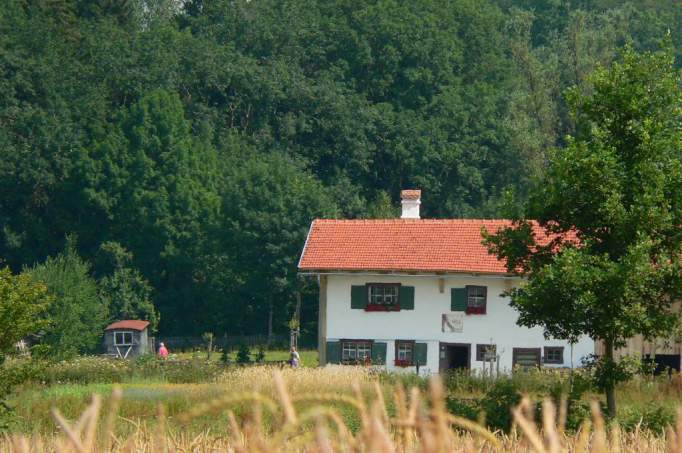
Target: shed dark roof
pixel 128 324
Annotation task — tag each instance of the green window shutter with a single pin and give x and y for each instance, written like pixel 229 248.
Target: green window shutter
pixel 358 297
pixel 420 353
pixel 333 352
pixel 458 299
pixel 378 353
pixel 406 297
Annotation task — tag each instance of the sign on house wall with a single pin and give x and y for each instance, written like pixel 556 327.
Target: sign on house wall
pixel 453 322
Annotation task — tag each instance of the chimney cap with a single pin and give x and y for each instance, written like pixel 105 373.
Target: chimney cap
pixel 410 194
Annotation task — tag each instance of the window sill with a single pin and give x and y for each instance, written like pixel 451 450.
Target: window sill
pixel 475 311
pixel 382 308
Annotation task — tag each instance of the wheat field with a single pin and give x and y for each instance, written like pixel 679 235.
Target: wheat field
pixel 298 410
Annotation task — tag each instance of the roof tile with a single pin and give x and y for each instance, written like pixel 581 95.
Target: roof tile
pixel 412 245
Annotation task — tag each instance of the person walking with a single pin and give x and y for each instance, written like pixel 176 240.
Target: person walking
pixel 163 352
pixel 294 358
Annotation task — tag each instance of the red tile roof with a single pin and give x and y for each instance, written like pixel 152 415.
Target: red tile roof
pixel 411 245
pixel 128 324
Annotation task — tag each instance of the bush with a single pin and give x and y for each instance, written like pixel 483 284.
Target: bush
pixel 652 418
pixel 243 355
pixel 225 357
pixel 498 403
pixel 260 355
pixel 467 408
pixel 577 410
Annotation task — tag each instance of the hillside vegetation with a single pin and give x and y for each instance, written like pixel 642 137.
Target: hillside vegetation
pixel 177 155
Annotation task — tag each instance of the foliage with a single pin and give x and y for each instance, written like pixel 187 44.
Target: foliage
pixel 126 292
pixel 498 403
pixel 78 315
pixel 22 304
pixel 652 417
pixel 260 354
pixel 225 359
pixel 615 187
pixel 243 355
pixel 203 137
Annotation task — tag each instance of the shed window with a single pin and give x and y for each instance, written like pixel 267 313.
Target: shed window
pixel 404 353
pixel 383 296
pixel 476 300
pixel 554 355
pixel 123 338
pixel 356 351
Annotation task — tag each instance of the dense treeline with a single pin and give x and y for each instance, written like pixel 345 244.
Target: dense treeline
pixel 182 149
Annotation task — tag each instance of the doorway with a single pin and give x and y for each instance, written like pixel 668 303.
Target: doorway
pixel 455 356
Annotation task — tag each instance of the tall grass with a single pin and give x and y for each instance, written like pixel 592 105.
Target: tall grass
pixel 299 410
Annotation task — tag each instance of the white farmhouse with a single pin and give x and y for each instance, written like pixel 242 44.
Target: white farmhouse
pixel 410 291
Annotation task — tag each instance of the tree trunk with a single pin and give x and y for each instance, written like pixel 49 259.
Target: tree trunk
pixel 610 387
pixel 270 316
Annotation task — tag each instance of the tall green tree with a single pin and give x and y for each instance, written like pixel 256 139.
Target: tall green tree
pixel 78 315
pixel 617 186
pixel 22 305
pixel 127 293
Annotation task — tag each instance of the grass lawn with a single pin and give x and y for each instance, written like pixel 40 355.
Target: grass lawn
pixel 141 398
pixel 146 388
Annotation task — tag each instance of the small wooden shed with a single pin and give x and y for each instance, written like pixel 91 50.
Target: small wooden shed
pixel 128 338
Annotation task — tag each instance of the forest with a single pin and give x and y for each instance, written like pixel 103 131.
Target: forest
pixel 163 159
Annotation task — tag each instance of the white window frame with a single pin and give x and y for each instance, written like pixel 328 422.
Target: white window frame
pixel 355 351
pixel 476 296
pixel 124 333
pixel 383 294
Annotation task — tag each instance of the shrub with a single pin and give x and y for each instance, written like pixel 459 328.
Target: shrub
pixel 243 355
pixel 225 357
pixel 498 402
pixel 652 417
pixel 260 354
pixel 467 408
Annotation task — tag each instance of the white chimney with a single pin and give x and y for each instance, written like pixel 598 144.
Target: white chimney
pixel 410 200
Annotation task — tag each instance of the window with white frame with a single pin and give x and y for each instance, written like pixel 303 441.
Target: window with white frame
pixel 554 354
pixel 383 295
pixel 123 338
pixel 355 351
pixel 404 353
pixel 476 299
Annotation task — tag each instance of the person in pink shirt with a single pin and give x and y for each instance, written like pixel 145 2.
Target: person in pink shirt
pixel 163 352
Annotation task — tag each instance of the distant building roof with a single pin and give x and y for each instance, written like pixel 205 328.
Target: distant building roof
pixel 128 324
pixel 407 245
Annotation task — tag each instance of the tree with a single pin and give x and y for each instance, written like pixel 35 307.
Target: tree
pixel 616 188
pixel 78 315
pixel 22 304
pixel 126 292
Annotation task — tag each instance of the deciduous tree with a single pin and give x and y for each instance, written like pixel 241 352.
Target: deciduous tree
pixel 617 186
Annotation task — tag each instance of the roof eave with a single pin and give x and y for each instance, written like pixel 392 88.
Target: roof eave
pixel 408 272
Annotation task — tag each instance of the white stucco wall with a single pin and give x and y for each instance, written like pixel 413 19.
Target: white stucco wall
pixel 423 324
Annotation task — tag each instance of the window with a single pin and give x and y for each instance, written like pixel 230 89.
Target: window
pixel 356 351
pixel 486 352
pixel 383 296
pixel 404 353
pixel 123 338
pixel 554 354
pixel 526 357
pixel 476 299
